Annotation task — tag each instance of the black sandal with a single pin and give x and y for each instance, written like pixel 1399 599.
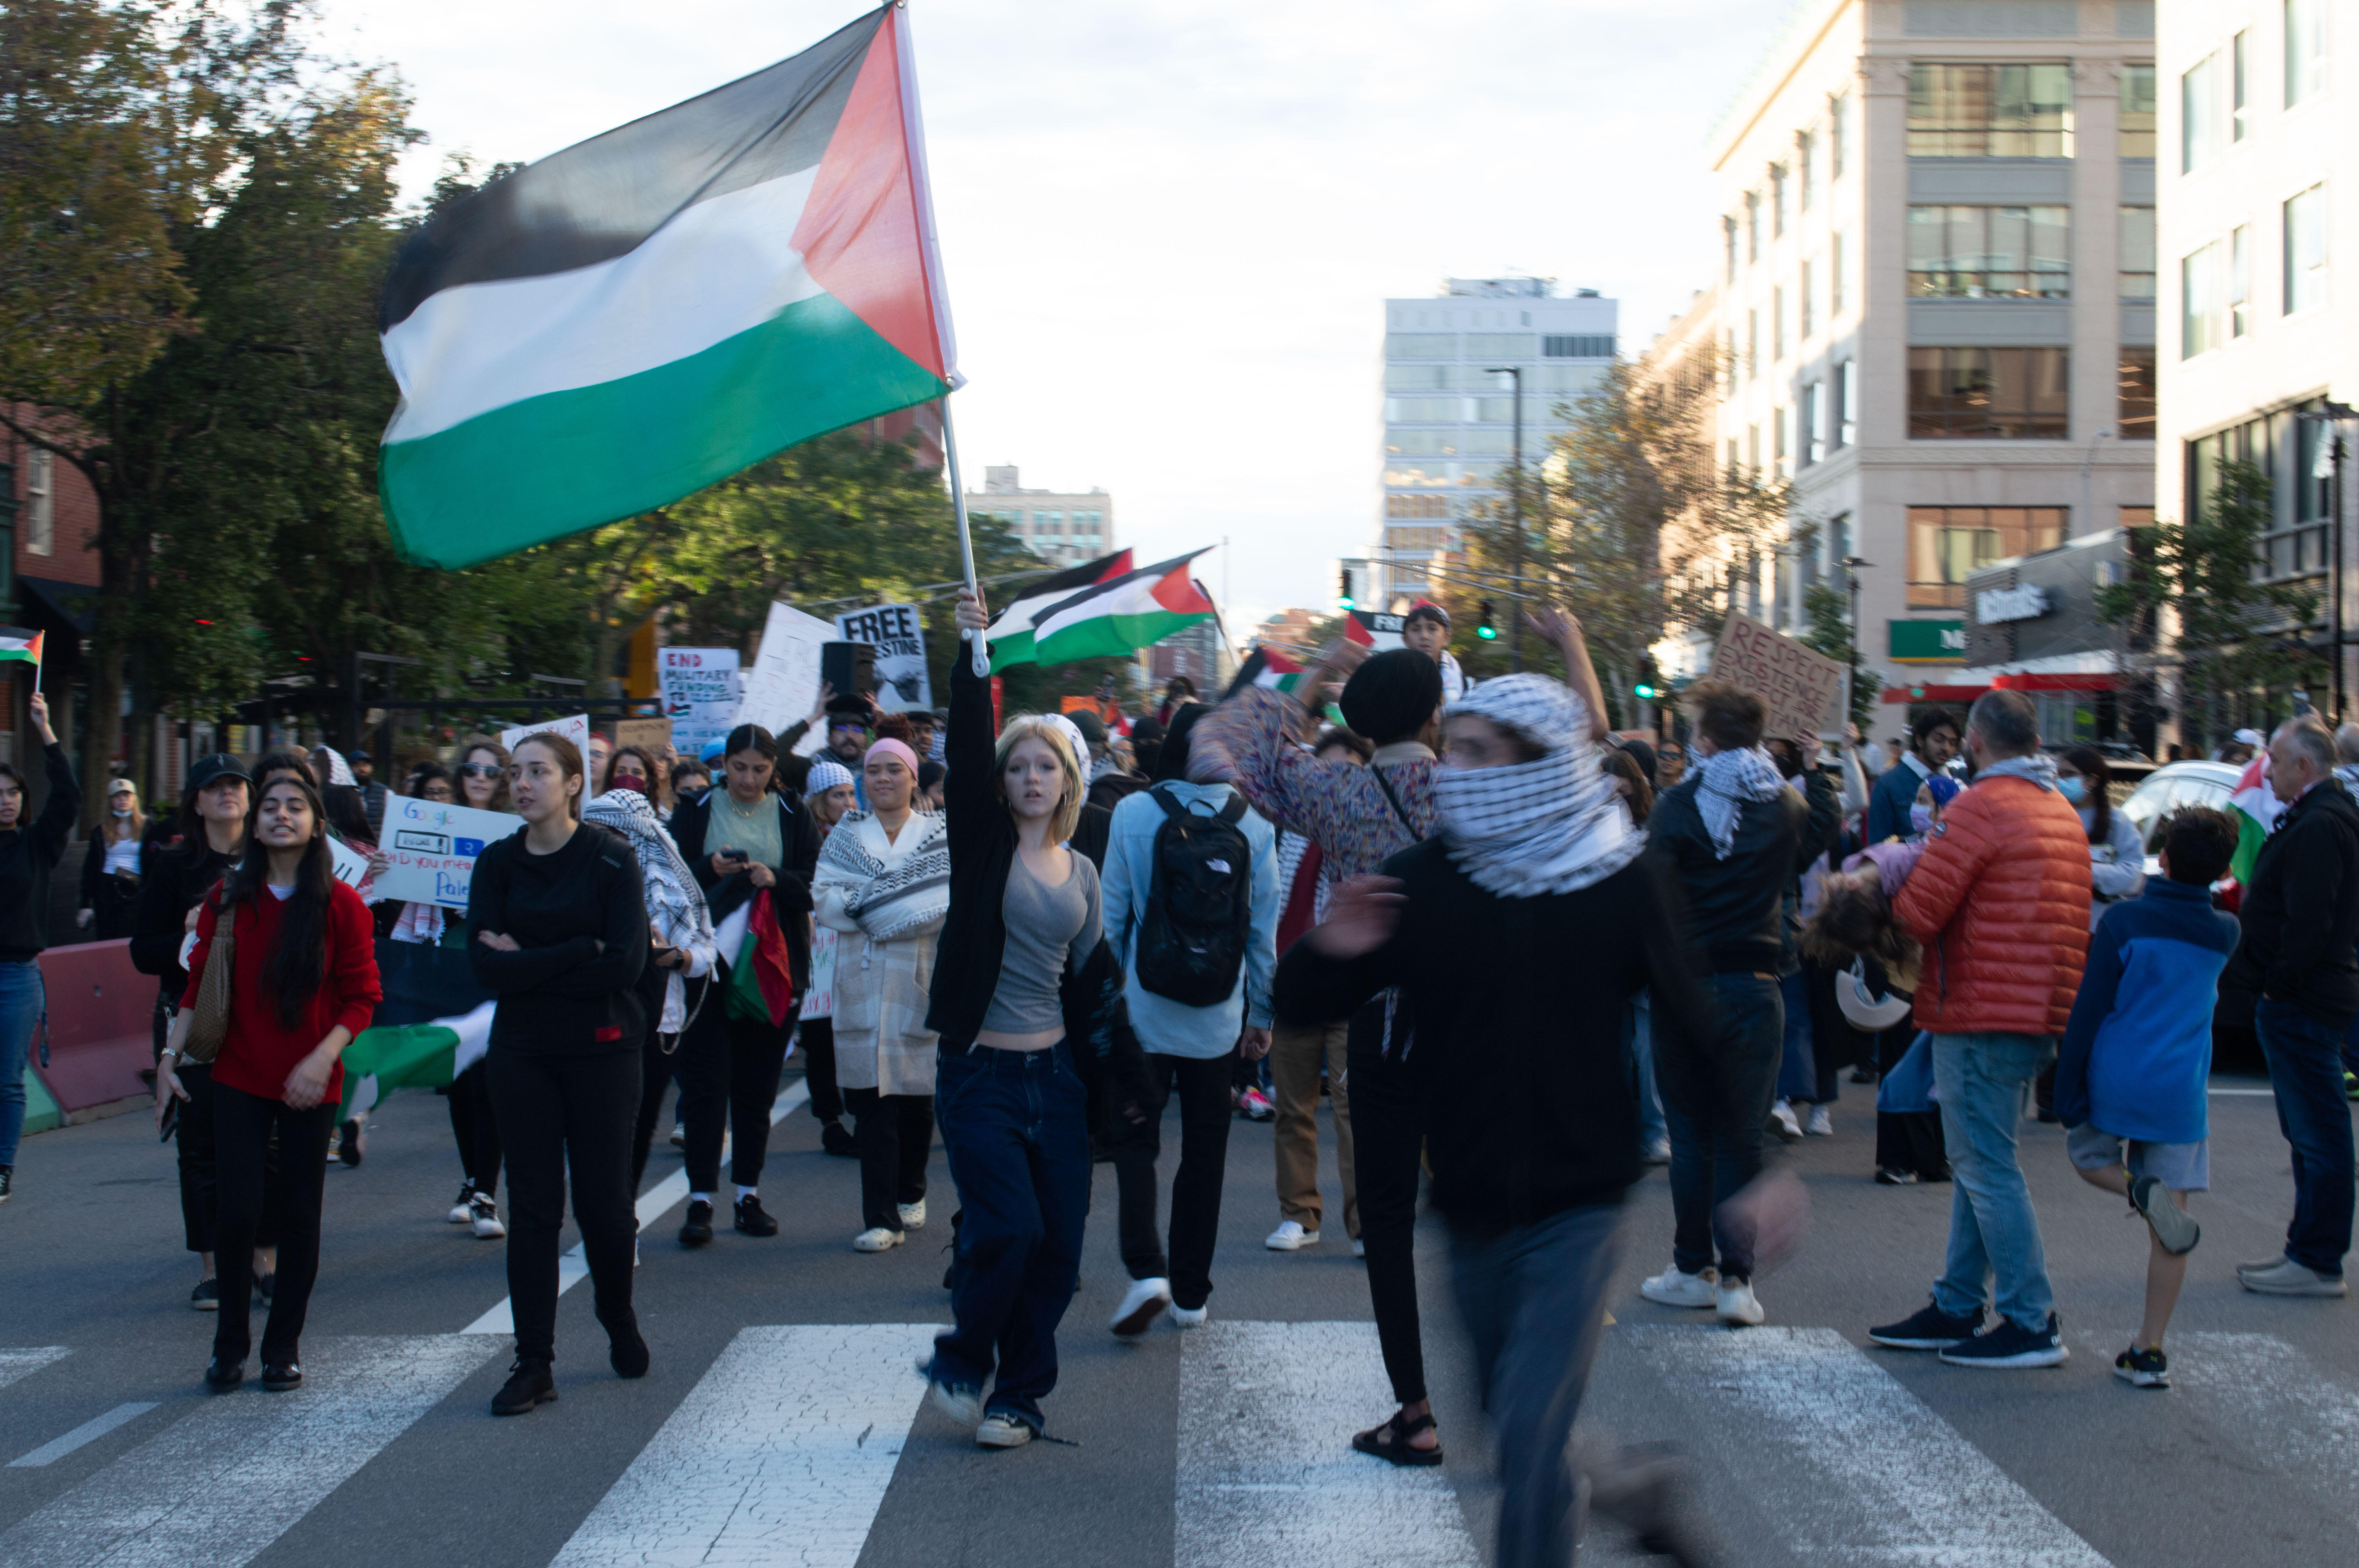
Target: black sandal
pixel 1389 1441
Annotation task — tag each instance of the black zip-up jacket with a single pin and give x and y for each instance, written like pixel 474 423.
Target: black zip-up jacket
pixel 27 856
pixel 2301 913
pixel 791 896
pixel 562 994
pixel 179 873
pixel 1736 907
pixel 1519 1005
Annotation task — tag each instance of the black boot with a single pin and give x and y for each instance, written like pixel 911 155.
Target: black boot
pixel 697 1229
pixel 625 1348
pixel 530 1386
pixel 834 1139
pixel 223 1376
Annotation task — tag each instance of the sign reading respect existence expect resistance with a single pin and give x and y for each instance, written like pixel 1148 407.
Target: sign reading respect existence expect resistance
pixel 1803 688
pixel 433 847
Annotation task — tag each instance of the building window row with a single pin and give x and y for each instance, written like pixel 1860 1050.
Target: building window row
pixel 1990 111
pixel 1990 252
pixel 1949 544
pixel 2215 279
pixel 1417 506
pixel 1794 186
pixel 1989 394
pixel 2215 94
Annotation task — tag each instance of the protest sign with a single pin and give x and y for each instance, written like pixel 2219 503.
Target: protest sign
pixel 576 729
pixel 1802 688
pixel 700 692
pixel 347 865
pixel 898 633
pixel 433 845
pixel 781 688
pixel 653 734
pixel 1382 627
pixel 819 997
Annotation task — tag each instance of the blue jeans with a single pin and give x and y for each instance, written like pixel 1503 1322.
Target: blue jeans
pixel 1534 1300
pixel 1798 1069
pixel 1638 1045
pixel 21 1001
pixel 2305 1071
pixel 1716 1098
pixel 1983 1080
pixel 1016 1126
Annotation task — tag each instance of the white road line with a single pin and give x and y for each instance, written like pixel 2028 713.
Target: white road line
pixel 50 1453
pixel 1266 1475
pixel 16 1363
pixel 214 1490
pixel 779 1456
pixel 575 1266
pixel 1902 1486
pixel 2290 1414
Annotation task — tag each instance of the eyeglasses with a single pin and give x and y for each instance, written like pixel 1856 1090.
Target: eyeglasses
pixel 852 724
pixel 481 770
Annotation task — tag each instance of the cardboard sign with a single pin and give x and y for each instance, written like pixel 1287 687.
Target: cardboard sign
pixel 433 845
pixel 898 633
pixel 1802 688
pixel 783 684
pixel 653 734
pixel 818 1000
pixel 576 729
pixel 701 689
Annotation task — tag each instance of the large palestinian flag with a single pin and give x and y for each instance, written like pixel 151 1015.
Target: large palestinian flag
pixel 1119 615
pixel 646 312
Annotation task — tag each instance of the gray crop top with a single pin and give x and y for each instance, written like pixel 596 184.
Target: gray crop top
pixel 1044 926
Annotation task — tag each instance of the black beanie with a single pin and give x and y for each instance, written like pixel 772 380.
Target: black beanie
pixel 1392 696
pixel 1171 765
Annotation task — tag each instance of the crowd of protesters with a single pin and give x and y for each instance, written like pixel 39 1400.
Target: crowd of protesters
pixel 1519 958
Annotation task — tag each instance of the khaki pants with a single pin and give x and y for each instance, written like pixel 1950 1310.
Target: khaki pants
pixel 1294 1055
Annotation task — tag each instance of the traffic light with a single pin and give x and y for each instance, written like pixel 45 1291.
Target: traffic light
pixel 1346 596
pixel 1486 627
pixel 1644 691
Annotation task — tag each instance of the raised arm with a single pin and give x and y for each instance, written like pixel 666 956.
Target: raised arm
pixel 969 794
pixel 1268 896
pixel 56 822
pixel 1561 631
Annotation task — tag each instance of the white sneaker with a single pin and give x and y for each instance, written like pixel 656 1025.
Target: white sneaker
pixel 1359 1247
pixel 1291 1237
pixel 1658 1152
pixel 459 1213
pixel 1191 1317
pixel 1139 1305
pixel 997 1430
pixel 1822 1123
pixel 1672 1288
pixel 1782 1122
pixel 876 1239
pixel 1739 1305
pixel 913 1215
pixel 485 1215
pixel 964 1406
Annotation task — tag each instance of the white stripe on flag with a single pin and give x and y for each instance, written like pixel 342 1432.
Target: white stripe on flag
pixel 1266 1475
pixel 214 1490
pixel 780 1454
pixel 1890 1481
pixel 16 1363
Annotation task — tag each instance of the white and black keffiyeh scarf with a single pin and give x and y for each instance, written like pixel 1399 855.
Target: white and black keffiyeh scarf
pixel 1550 825
pixel 675 903
pixel 902 900
pixel 1729 780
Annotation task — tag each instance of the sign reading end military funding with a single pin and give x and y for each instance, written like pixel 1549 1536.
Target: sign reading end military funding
pixel 1802 688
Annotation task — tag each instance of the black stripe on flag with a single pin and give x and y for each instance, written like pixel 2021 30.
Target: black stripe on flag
pixel 599 199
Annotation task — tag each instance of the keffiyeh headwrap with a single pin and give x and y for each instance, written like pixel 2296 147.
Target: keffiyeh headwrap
pixel 1072 735
pixel 340 771
pixel 674 901
pixel 825 774
pixel 1554 825
pixel 904 900
pixel 1730 779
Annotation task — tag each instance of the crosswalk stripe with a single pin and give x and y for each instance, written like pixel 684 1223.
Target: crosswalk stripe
pixel 214 1490
pixel 16 1363
pixel 89 1431
pixel 2290 1413
pixel 653 1204
pixel 780 1454
pixel 1895 1484
pixel 1266 1475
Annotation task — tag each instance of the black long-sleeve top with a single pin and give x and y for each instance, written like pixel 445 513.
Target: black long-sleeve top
pixel 562 994
pixel 27 856
pixel 179 873
pixel 1737 905
pixel 790 895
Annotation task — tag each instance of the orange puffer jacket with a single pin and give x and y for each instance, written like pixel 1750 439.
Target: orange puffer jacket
pixel 2000 900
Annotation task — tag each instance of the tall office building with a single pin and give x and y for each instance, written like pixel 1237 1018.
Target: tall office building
pixel 1936 303
pixel 1449 416
pixel 1060 529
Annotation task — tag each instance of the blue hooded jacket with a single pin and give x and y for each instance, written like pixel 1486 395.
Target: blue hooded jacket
pixel 2137 1055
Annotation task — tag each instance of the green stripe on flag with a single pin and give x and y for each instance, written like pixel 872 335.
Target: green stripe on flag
pixel 1098 635
pixel 2250 837
pixel 413 1056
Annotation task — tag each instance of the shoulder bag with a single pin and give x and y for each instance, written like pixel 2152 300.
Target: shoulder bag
pixel 208 1019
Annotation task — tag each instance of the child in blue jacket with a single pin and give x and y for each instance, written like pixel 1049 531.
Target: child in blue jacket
pixel 2131 1075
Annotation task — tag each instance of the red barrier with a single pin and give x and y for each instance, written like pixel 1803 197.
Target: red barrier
pixel 101 1033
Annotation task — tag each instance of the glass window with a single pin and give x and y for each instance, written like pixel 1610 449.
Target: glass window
pixel 2137 253
pixel 1417 506
pixel 1563 378
pixel 1805 298
pixel 1846 401
pixel 2305 249
pixel 1781 448
pixel 2137 109
pixel 1778 192
pixel 1417 378
pixel 1990 111
pixel 1947 544
pixel 2240 280
pixel 1410 409
pixel 1838 136
pixel 1753 341
pixel 1421 346
pixel 1420 443
pixel 1492 443
pixel 1814 423
pixel 40 503
pixel 2305 50
pixel 1835 276
pixel 1989 393
pixel 1752 225
pixel 2199 301
pixel 1500 346
pixel 1990 252
pixel 1498 410
pixel 1805 151
pixel 1728 237
pixel 2239 90
pixel 2199 115
pixel 2134 419
pixel 1578 346
pixel 1777 324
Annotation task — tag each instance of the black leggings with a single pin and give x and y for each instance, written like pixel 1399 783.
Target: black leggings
pixel 817 1037
pixel 243 1128
pixel 729 1068
pixel 476 1130
pixel 1205 1114
pixel 197 1140
pixel 894 1135
pixel 1908 1139
pixel 1388 1139
pixel 658 1058
pixel 562 1111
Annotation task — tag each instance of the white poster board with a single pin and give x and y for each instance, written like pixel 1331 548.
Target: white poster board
pixel 349 867
pixel 576 729
pixel 701 689
pixel 819 997
pixel 898 633
pixel 783 684
pixel 433 845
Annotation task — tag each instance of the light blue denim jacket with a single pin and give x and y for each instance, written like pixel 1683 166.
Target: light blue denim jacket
pixel 1167 1027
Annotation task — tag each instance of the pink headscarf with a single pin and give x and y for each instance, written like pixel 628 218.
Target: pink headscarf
pixel 892 748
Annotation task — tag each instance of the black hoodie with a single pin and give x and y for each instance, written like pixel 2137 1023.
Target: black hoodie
pixel 27 856
pixel 2301 913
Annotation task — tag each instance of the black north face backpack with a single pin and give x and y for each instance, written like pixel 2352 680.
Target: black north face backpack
pixel 1191 942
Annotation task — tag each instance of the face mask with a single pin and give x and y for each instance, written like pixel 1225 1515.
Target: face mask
pixel 124 814
pixel 2074 789
pixel 1921 818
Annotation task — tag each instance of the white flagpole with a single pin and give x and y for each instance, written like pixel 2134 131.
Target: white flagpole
pixel 966 540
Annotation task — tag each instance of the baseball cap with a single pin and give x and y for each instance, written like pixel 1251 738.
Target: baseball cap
pixel 220 766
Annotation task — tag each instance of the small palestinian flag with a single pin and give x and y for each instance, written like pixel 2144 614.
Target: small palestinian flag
pixel 20 643
pixel 2254 809
pixel 649 312
pixel 1266 667
pixel 1120 615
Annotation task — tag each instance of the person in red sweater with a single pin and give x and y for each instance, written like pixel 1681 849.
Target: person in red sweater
pixel 303 982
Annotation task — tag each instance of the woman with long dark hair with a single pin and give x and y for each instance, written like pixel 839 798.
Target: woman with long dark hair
pixel 302 983
pixel 27 856
pixel 556 929
pixel 112 867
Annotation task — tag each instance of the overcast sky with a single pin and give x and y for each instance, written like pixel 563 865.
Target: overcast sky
pixel 1167 224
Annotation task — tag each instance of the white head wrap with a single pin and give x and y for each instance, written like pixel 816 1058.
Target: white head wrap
pixel 1550 825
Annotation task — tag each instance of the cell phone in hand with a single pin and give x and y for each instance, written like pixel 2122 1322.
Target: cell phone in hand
pixel 737 855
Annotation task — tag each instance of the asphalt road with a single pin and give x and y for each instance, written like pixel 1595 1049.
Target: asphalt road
pixel 780 1422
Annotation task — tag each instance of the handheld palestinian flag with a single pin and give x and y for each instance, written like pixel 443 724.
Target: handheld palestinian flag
pixel 20 643
pixel 1120 615
pixel 1011 627
pixel 647 312
pixel 2254 808
pixel 433 1022
pixel 1265 667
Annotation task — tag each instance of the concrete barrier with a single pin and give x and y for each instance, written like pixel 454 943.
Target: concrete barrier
pixel 102 1034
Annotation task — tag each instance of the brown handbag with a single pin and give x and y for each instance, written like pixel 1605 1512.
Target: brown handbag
pixel 208 1019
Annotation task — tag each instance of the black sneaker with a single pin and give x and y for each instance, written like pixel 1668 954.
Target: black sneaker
pixel 1894 1176
pixel 2010 1344
pixel 264 1286
pixel 626 1349
pixel 279 1377
pixel 223 1376
pixel 752 1219
pixel 2147 1369
pixel 1930 1328
pixel 348 1142
pixel 697 1229
pixel 7 1180
pixel 834 1139
pixel 530 1386
pixel 206 1297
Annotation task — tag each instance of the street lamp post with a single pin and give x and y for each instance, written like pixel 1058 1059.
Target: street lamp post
pixel 1516 624
pixel 2332 417
pixel 1851 669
